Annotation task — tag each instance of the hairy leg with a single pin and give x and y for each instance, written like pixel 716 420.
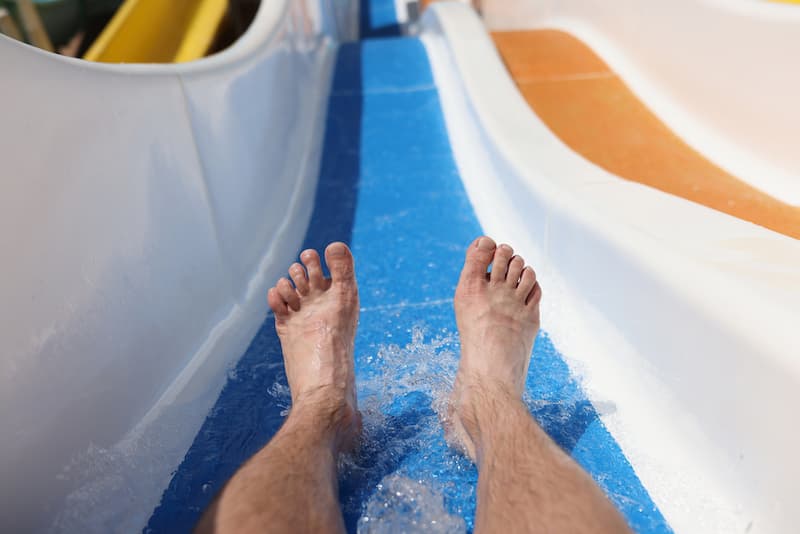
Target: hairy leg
pixel 290 485
pixel 526 483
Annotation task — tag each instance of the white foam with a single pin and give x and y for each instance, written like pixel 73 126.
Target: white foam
pixel 404 505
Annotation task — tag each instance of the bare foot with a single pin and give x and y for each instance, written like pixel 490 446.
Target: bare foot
pixel 316 322
pixel 498 319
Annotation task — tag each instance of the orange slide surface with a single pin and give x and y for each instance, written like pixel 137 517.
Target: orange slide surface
pixel 591 110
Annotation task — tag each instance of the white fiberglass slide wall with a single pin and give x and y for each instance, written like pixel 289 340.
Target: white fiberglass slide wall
pixel 143 210
pixel 681 320
pixel 721 73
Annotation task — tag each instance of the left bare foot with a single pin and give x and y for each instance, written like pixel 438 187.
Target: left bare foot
pixel 316 321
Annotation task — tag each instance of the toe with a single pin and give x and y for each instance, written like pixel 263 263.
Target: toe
pixel 535 296
pixel 526 282
pixel 502 257
pixel 299 277
pixel 515 267
pixel 288 293
pixel 316 279
pixel 340 263
pixel 479 256
pixel 277 304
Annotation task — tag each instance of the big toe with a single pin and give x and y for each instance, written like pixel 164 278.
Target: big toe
pixel 340 263
pixel 479 256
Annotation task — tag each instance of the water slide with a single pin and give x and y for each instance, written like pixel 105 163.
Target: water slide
pixel 146 208
pixel 152 31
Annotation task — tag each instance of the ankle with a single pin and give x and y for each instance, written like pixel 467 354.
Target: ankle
pixel 328 414
pixel 483 407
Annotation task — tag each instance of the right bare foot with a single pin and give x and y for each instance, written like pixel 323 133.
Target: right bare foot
pixel 498 319
pixel 316 321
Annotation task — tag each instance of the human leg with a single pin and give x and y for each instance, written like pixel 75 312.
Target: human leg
pixel 526 483
pixel 290 485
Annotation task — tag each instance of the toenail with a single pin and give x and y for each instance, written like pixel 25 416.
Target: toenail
pixel 485 243
pixel 336 249
pixel 506 248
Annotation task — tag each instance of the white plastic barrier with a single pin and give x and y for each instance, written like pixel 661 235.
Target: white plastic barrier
pixel 681 318
pixel 721 73
pixel 144 209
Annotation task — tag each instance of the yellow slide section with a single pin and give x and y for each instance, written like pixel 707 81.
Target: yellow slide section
pixel 159 31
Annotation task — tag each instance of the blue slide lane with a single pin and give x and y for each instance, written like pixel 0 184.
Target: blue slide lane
pixel 378 18
pixel 389 186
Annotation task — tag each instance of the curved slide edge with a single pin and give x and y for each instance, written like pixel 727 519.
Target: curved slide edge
pixel 699 307
pixel 721 74
pixel 144 184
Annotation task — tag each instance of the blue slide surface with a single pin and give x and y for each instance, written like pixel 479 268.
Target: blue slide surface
pixel 389 187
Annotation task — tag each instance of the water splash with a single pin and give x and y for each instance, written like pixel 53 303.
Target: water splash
pixel 401 505
pixel 402 394
pixel 417 368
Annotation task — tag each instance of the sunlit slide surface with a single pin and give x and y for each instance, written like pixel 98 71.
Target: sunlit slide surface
pixel 389 186
pixel 141 368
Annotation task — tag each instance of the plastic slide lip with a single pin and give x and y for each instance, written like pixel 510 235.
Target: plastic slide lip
pixel 184 32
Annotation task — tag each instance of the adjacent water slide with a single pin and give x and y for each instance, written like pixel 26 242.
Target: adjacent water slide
pixel 716 75
pixel 152 31
pixel 145 209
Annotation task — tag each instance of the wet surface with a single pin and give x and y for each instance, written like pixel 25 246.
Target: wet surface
pixel 390 188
